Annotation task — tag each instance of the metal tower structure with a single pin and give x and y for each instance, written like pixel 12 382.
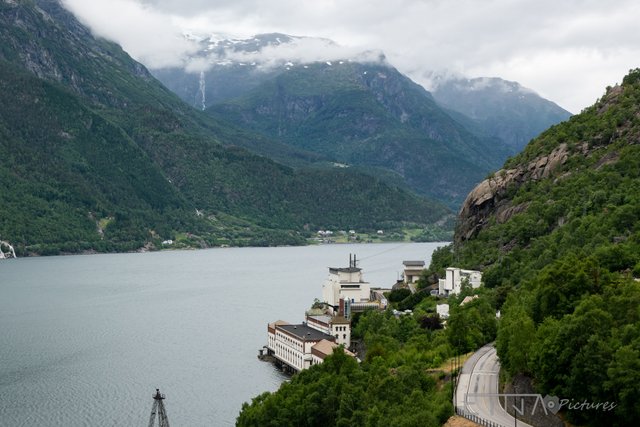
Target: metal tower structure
pixel 158 409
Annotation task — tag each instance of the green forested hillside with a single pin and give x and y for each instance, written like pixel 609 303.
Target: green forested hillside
pixel 368 115
pixel 557 233
pixel 64 168
pixel 96 155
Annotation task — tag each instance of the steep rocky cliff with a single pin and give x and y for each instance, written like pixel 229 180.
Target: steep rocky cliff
pixel 490 198
pixel 587 141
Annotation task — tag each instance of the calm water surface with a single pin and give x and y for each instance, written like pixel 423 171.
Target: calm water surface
pixel 85 340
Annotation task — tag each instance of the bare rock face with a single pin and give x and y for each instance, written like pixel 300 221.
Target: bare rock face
pixel 488 199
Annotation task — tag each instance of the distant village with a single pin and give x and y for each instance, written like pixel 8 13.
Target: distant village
pixel 294 347
pixel 328 236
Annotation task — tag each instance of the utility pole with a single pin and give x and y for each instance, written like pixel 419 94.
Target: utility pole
pixel 158 408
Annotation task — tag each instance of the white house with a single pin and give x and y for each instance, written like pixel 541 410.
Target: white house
pixel 347 283
pixel 455 277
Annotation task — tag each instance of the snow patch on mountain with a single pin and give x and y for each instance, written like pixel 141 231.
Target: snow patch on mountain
pixel 269 51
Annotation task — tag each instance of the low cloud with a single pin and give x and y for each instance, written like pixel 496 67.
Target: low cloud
pixel 299 50
pixel 149 36
pixel 566 51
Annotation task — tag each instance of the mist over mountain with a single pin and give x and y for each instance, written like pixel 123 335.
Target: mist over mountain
pixel 499 108
pixel 224 68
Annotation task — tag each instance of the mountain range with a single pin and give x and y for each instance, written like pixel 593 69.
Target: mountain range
pixel 96 154
pixel 360 111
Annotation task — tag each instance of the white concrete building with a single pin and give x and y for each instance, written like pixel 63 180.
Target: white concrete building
pixel 455 277
pixel 292 344
pixel 271 334
pixel 412 271
pixel 346 283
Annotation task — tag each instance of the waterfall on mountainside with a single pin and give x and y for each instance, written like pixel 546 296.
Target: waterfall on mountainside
pixel 202 88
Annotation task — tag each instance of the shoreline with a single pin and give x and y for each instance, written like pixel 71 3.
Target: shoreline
pixel 144 250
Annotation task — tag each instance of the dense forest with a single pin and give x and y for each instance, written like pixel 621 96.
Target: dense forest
pixel 560 250
pixel 564 268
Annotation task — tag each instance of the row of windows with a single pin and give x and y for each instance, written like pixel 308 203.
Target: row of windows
pixel 288 355
pixel 288 340
pixel 341 328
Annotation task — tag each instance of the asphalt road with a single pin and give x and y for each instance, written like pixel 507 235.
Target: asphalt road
pixel 478 387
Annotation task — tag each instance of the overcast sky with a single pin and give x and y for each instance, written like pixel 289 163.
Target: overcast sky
pixel 567 51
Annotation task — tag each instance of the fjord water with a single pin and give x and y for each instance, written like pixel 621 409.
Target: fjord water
pixel 85 340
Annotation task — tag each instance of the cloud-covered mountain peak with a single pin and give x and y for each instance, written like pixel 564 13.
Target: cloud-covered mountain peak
pixel 271 50
pixel 448 80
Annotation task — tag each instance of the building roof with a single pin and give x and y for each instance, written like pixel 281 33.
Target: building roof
pixel 327 347
pixel 468 299
pixel 304 332
pixel 323 318
pixel 334 270
pixel 278 323
pixel 315 311
pixel 463 270
pixel 340 320
pixel 271 327
pixel 413 263
pixel 328 320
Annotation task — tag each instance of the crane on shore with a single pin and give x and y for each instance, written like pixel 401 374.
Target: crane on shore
pixel 158 409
